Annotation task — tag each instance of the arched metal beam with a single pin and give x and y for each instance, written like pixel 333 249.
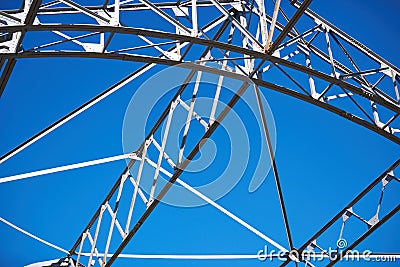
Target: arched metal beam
pixel 259 82
pixel 391 105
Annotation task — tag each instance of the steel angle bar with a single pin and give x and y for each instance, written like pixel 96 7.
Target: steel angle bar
pixel 32 235
pixel 390 121
pixel 165 16
pixel 274 166
pixel 273 23
pixel 363 73
pixel 298 37
pixel 113 214
pixel 153 45
pixel 231 215
pixel 64 168
pixel 162 149
pixel 71 39
pixel 85 10
pixel 6 73
pixel 189 117
pixel 195 115
pixel 237 24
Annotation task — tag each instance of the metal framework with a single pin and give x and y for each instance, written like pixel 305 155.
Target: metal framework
pixel 308 57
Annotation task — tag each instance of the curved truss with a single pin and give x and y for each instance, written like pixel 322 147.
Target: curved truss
pixel 311 61
pixel 359 92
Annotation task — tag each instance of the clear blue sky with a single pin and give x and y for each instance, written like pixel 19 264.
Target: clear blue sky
pixel 323 160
